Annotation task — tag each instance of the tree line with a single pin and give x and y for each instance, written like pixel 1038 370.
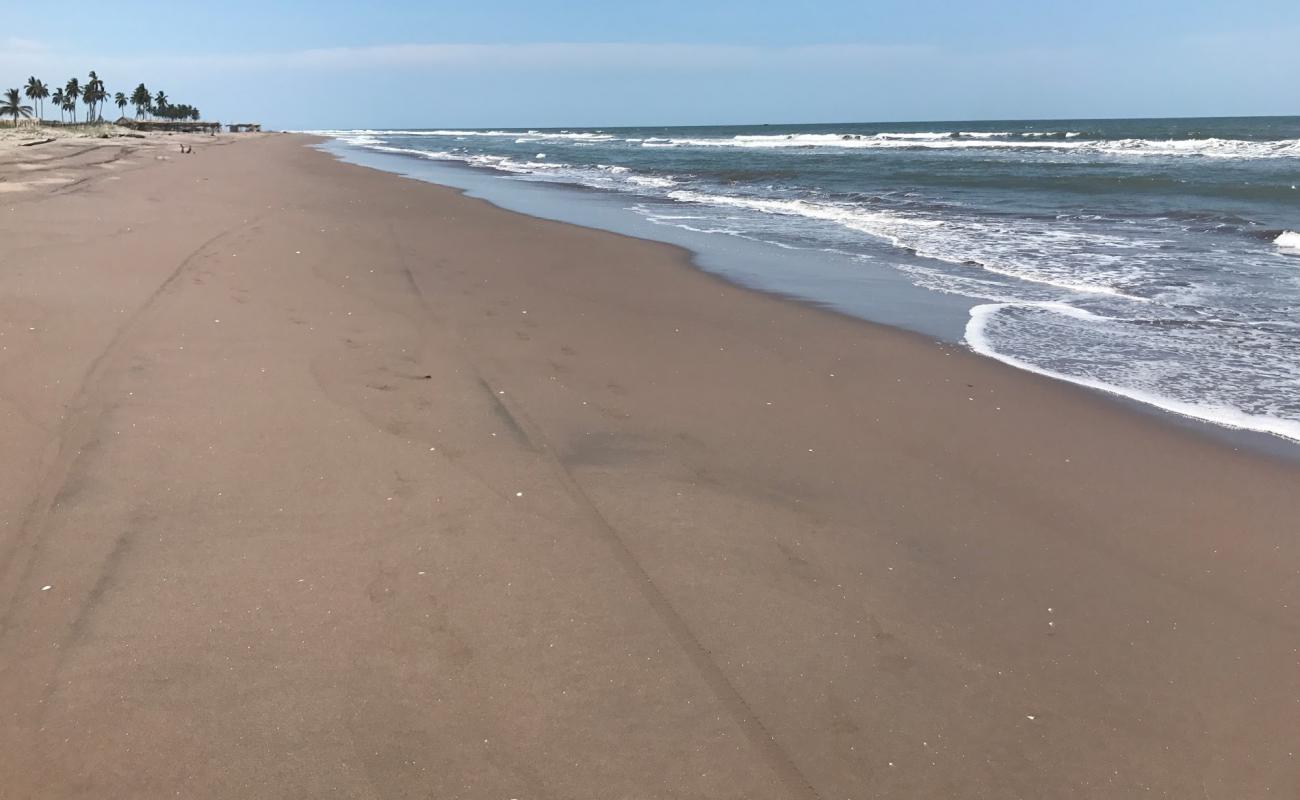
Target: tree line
pixel 95 96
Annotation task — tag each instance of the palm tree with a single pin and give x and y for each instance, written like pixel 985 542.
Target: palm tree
pixel 37 92
pixel 88 96
pixel 98 95
pixel 60 100
pixel 159 103
pixel 12 106
pixel 95 95
pixel 121 101
pixel 73 93
pixel 140 98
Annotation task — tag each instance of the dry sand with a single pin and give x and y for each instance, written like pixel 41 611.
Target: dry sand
pixel 320 482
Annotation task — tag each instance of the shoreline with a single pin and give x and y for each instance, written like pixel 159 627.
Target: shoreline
pixel 330 482
pixel 700 249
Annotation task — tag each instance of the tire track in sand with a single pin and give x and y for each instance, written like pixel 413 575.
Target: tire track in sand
pixel 74 434
pixel 772 751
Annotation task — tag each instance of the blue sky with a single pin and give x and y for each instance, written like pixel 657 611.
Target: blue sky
pixel 513 63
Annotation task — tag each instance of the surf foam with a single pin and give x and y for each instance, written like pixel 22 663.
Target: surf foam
pixel 1065 141
pixel 1224 414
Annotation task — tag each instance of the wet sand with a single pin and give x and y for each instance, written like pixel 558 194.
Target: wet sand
pixel 321 482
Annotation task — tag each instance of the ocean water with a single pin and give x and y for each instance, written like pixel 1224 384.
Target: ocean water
pixel 1154 259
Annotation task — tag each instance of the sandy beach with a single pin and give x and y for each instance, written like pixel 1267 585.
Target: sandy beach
pixel 322 482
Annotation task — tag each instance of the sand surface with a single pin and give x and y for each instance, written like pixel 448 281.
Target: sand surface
pixel 320 482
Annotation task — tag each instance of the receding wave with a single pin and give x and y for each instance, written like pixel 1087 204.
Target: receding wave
pixel 598 176
pixel 1027 335
pixel 968 243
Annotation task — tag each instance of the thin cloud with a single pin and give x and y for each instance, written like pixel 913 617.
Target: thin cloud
pixel 583 54
pixel 17 44
pixel 665 57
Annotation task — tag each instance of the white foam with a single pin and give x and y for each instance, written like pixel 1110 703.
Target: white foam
pixel 601 176
pixel 360 140
pixel 930 238
pixel 1288 240
pixel 434 154
pixel 1031 140
pixel 1065 141
pixel 518 136
pixel 1216 413
pixel 651 181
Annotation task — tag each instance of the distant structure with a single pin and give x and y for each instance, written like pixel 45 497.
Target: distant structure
pixel 170 126
pixel 246 127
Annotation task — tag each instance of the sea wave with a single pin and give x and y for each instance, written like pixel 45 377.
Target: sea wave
pixel 518 135
pixel 1066 141
pixel 599 176
pixel 1288 240
pixel 968 243
pixel 1074 255
pixel 1153 386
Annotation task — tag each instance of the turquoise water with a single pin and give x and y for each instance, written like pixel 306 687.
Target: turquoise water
pixel 1156 259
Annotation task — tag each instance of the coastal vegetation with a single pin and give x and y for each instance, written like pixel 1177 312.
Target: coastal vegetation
pixel 13 106
pixel 27 105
